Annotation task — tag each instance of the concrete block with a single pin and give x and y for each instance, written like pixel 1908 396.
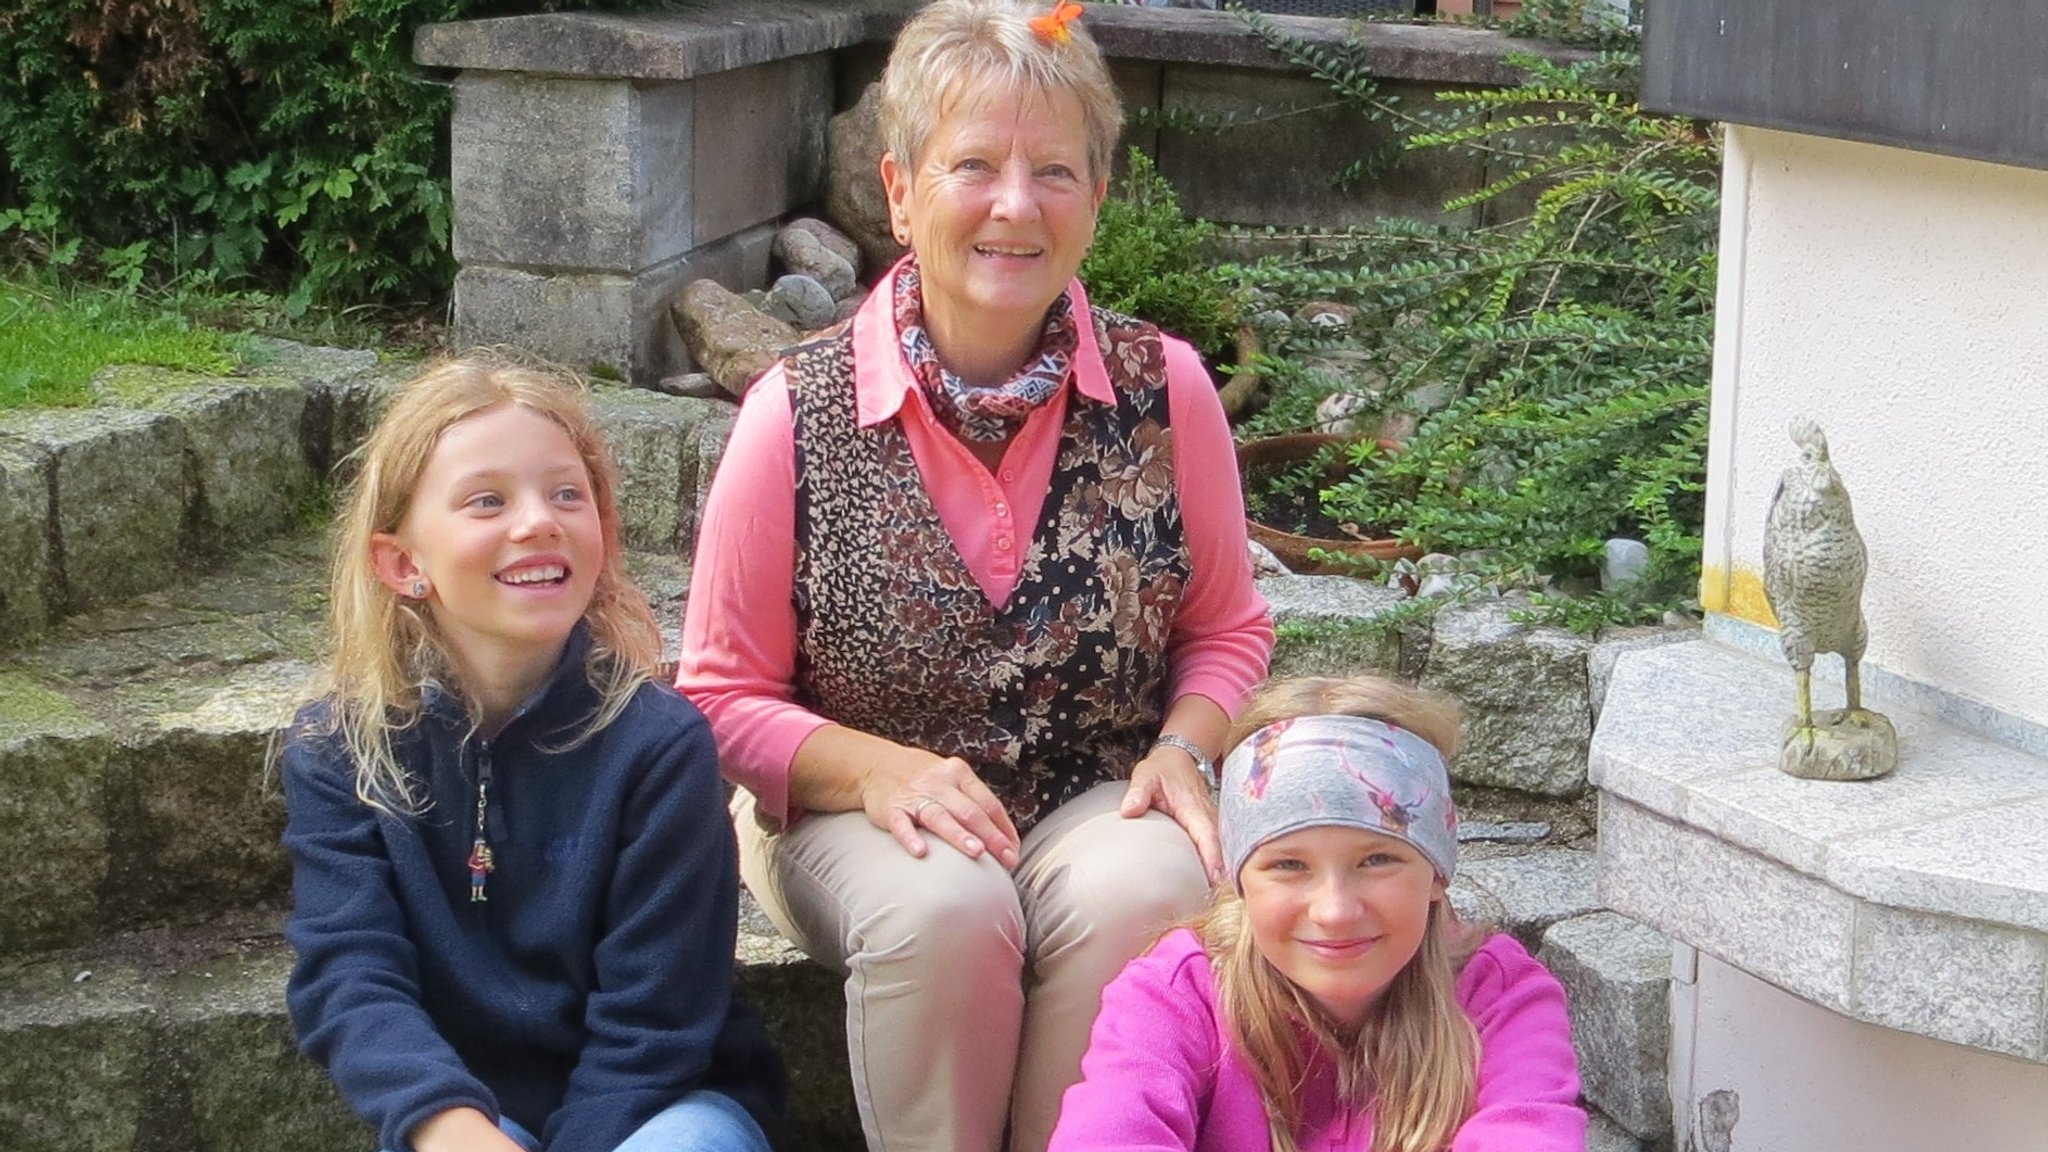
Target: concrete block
pixel 653 443
pixel 1230 175
pixel 591 175
pixel 617 325
pixel 25 597
pixel 1617 974
pixel 74 1059
pixel 120 489
pixel 759 151
pixel 1527 724
pixel 1331 625
pixel 53 764
pixel 1778 924
pixel 1962 981
pixel 249 470
pixel 1535 890
pixel 194 816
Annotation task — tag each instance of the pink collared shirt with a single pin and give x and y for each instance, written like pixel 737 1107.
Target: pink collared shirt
pixel 739 628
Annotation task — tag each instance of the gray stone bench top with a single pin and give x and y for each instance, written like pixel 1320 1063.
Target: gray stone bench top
pixel 703 37
pixel 1919 901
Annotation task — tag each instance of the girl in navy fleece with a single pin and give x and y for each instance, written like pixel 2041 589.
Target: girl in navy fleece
pixel 515 886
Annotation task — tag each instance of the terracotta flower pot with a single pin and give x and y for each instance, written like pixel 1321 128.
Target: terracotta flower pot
pixel 1280 452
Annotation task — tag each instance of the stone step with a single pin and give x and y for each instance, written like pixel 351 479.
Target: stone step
pixel 135 748
pixel 178 1042
pixel 171 472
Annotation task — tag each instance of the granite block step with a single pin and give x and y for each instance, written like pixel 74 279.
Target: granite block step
pixel 136 785
pixel 177 1041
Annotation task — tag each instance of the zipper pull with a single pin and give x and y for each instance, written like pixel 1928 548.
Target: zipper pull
pixel 481 860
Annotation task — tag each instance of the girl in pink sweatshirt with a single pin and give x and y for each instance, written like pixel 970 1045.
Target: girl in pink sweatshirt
pixel 1330 999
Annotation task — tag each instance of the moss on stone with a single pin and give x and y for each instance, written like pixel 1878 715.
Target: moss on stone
pixel 31 707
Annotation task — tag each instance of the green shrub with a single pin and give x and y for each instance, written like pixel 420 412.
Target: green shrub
pixel 1151 261
pixel 288 141
pixel 1565 353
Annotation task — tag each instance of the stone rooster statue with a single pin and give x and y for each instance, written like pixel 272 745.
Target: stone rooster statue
pixel 1814 564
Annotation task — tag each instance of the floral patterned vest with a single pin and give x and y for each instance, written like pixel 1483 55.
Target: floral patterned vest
pixel 1062 688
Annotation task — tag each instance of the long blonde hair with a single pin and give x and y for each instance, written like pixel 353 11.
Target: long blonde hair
pixel 386 648
pixel 1415 1060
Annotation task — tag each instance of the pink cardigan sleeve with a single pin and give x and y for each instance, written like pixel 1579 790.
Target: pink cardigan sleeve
pixel 1223 636
pixel 1154 1046
pixel 739 626
pixel 1528 1076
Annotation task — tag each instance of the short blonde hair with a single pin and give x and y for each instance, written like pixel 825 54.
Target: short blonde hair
pixel 955 47
pixel 387 648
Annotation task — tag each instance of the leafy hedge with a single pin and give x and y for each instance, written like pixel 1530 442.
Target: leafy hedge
pixel 289 140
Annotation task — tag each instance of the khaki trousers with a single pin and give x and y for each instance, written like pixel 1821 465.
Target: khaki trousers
pixel 970 990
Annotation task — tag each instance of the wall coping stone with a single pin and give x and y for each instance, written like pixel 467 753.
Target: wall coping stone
pixel 1918 901
pixel 710 36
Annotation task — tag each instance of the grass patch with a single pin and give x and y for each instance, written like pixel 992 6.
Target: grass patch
pixel 53 339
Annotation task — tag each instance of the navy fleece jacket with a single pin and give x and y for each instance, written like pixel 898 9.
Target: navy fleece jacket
pixel 592 988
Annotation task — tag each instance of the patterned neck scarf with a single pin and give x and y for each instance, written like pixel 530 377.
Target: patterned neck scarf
pixel 994 413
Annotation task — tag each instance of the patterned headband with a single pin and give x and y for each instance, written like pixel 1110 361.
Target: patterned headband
pixel 1349 771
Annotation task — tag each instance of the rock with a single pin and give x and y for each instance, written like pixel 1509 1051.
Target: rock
pixel 854 200
pixel 836 242
pixel 1527 717
pixel 119 486
pixel 652 441
pixel 307 362
pixel 800 302
pixel 1604 1135
pixel 1518 832
pixel 53 757
pixel 1264 563
pixel 1616 641
pixel 1617 975
pixel 1340 412
pixel 1842 744
pixel 1535 890
pixel 26 596
pixel 694 385
pixel 195 821
pixel 242 437
pixel 733 341
pixel 802 254
pixel 1327 314
pixel 1623 562
pixel 1330 625
pixel 846 309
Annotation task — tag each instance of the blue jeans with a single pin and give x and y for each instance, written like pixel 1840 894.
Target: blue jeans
pixel 703 1121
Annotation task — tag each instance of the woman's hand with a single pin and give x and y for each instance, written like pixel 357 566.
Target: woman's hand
pixel 1168 780
pixel 942 796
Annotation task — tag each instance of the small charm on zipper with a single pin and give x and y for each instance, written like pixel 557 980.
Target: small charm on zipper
pixel 481 865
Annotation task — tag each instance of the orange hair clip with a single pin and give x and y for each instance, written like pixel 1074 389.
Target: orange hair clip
pixel 1052 27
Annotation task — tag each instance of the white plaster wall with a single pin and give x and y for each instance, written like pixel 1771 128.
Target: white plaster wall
pixel 1900 299
pixel 1805 1079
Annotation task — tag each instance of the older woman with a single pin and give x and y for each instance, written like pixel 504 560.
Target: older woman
pixel 971 606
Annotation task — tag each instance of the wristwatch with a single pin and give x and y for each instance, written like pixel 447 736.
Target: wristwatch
pixel 1203 764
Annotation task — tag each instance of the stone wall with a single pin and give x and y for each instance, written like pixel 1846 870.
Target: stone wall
pixel 601 162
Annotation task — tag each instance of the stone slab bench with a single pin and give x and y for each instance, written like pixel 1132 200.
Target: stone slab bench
pixel 602 161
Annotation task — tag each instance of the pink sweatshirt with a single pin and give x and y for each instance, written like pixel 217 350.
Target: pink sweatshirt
pixel 739 628
pixel 1161 1072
